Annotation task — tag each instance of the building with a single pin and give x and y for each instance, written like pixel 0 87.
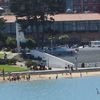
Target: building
pixel 59 5
pixel 69 6
pixel 86 6
pixel 4 3
pixel 85 27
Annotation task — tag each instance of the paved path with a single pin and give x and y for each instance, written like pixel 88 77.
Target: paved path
pixel 44 72
pixel 86 55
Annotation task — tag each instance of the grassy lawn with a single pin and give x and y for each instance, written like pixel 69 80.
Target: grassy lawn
pixel 8 68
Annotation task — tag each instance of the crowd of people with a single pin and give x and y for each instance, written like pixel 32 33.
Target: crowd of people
pixel 17 77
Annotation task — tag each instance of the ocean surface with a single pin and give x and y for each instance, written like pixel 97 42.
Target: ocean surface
pixel 59 89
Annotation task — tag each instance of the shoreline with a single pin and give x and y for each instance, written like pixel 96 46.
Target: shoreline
pixel 53 76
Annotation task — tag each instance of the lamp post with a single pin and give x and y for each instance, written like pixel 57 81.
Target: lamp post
pixel 48 63
pixel 51 46
pixel 76 58
pixel 76 61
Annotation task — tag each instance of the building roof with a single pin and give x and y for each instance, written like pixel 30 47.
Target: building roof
pixel 9 18
pixel 64 17
pixel 77 17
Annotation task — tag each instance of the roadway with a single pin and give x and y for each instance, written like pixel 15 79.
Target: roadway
pixel 90 56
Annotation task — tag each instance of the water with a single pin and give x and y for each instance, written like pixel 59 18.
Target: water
pixel 60 89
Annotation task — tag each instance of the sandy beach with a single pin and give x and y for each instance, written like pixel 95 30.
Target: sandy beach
pixel 54 76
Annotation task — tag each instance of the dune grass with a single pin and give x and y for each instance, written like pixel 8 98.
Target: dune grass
pixel 9 68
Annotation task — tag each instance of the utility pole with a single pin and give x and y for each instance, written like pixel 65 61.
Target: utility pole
pixel 76 58
pixel 48 62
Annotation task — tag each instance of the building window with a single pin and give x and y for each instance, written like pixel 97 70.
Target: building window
pixel 93 25
pixel 85 8
pixel 74 26
pixel 94 0
pixel 85 0
pixel 94 8
pixel 81 26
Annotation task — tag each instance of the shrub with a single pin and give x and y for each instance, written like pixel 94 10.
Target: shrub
pixel 11 42
pixel 2 61
pixel 49 68
pixel 31 63
pixel 12 61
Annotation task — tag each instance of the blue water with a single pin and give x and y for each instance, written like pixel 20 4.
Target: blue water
pixel 60 89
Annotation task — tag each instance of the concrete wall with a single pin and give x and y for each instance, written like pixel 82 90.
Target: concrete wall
pixel 52 61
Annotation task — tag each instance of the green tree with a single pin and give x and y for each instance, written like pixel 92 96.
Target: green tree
pixel 11 42
pixel 2 24
pixel 30 43
pixel 2 35
pixel 35 12
pixel 63 39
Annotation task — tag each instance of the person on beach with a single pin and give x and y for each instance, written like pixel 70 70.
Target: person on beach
pixel 28 77
pixel 70 73
pixel 57 76
pixel 9 76
pixel 80 74
pixel 49 77
pixel 18 77
pixel 23 77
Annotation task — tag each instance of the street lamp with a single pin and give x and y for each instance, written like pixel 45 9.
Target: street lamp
pixel 76 61
pixel 76 58
pixel 48 63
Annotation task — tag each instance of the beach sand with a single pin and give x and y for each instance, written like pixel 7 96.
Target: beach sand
pixel 56 76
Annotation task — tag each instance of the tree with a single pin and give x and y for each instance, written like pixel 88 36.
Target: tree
pixel 2 35
pixel 35 12
pixel 63 39
pixel 11 42
pixel 30 43
pixel 30 63
pixel 2 24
